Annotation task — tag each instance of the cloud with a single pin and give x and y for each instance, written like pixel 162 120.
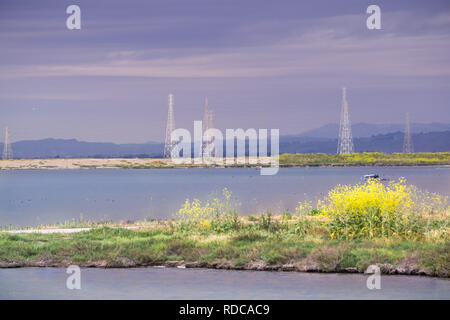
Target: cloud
pixel 329 46
pixel 321 54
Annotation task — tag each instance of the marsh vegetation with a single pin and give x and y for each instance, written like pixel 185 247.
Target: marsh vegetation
pixel 403 229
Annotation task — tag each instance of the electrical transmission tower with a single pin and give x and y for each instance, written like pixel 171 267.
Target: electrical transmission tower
pixel 407 141
pixel 208 123
pixel 170 127
pixel 7 150
pixel 345 143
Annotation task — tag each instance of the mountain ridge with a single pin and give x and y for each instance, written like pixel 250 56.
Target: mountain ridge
pixel 365 130
pixel 72 148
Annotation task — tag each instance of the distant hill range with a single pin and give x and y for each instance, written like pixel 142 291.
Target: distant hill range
pixel 72 148
pixel 366 130
pixel 368 138
pixel 387 143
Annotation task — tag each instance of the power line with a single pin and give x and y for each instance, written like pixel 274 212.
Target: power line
pixel 170 127
pixel 7 150
pixel 407 141
pixel 345 143
pixel 208 123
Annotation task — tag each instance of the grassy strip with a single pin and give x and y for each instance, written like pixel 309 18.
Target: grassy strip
pixel 257 244
pixel 366 159
pixel 285 160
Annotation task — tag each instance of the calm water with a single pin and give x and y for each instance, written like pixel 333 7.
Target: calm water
pixel 32 197
pixel 167 283
pixel 35 197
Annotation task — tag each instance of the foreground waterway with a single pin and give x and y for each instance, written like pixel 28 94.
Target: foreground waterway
pixel 170 283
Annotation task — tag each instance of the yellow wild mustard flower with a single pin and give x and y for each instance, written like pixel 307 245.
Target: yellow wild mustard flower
pixel 218 214
pixel 375 208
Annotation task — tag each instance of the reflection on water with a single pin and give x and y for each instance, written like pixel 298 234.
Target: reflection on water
pixel 168 283
pixel 32 197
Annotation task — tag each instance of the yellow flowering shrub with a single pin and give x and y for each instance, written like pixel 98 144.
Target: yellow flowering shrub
pixel 218 214
pixel 304 208
pixel 194 213
pixel 391 199
pixel 374 208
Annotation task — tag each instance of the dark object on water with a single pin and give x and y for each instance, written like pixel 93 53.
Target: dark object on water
pixel 371 176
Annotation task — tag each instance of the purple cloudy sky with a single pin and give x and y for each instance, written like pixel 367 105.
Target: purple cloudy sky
pixel 262 64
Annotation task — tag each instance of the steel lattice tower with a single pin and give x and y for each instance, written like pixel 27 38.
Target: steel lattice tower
pixel 345 143
pixel 7 150
pixel 206 116
pixel 208 123
pixel 407 141
pixel 170 127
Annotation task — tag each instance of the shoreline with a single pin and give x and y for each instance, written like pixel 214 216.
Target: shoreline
pixel 227 167
pixel 385 268
pixel 369 159
pixel 156 244
pixel 406 268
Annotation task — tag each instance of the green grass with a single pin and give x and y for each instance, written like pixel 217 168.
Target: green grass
pixel 366 159
pixel 276 242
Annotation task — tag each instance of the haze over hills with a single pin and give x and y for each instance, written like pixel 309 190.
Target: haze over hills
pixel 314 141
pixel 66 148
pixel 365 130
pixel 387 143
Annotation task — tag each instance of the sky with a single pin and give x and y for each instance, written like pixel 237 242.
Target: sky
pixel 262 64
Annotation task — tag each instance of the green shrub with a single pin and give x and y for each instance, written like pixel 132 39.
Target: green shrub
pixel 287 215
pixel 219 215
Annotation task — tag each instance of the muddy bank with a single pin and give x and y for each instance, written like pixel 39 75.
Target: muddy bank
pixel 403 268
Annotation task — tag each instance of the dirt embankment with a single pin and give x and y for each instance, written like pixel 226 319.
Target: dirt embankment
pixel 406 267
